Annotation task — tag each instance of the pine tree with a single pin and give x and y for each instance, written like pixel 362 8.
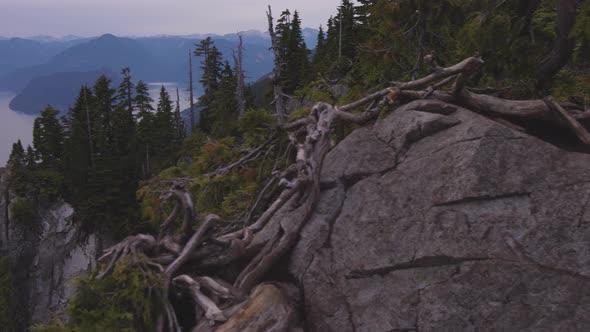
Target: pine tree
pixel 125 92
pixel 292 50
pixel 211 66
pixel 346 24
pixel 30 158
pixel 48 138
pixel 125 167
pixel 142 101
pixel 18 171
pixel 145 126
pixel 297 55
pixel 104 96
pixel 225 112
pixel 165 132
pixel 319 58
pixel 17 155
pixel 124 126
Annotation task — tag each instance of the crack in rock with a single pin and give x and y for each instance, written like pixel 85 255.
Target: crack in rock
pixel 422 262
pixel 482 198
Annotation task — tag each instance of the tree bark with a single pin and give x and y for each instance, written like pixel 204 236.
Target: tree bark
pixel 239 70
pixel 563 47
pixel 191 90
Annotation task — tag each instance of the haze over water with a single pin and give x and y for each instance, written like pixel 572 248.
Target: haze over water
pixel 13 126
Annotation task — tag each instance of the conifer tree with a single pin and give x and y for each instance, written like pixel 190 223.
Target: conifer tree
pixel 297 54
pixel 145 126
pixel 292 50
pixel 165 132
pixel 142 101
pixel 17 155
pixel 211 66
pixel 124 126
pixel 18 171
pixel 104 97
pixel 48 138
pixel 225 111
pixel 30 158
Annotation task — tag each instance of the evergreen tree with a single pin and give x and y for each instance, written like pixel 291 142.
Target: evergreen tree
pixel 124 127
pixel 296 70
pixel 225 112
pixel 103 109
pixel 145 126
pixel 165 131
pixel 293 51
pixel 211 66
pixel 17 155
pixel 48 138
pixel 30 158
pixel 321 39
pixel 347 29
pixel 18 170
pixel 78 146
pixel 143 101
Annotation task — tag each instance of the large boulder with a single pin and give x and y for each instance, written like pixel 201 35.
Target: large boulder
pixel 432 222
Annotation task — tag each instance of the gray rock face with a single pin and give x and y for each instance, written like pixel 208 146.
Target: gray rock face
pixel 431 222
pixel 47 256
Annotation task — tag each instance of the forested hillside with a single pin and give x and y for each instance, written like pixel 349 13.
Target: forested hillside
pixel 230 191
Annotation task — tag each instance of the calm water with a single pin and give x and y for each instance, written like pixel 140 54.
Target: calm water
pixel 154 90
pixel 13 126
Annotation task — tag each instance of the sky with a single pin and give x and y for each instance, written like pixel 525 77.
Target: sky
pixel 87 18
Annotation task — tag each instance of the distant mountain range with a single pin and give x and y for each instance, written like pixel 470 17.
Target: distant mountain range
pixel 42 91
pixel 46 70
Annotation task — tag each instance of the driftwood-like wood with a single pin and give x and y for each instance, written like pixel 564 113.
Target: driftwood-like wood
pixel 197 262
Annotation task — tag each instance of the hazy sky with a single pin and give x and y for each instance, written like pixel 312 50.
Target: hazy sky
pixel 25 18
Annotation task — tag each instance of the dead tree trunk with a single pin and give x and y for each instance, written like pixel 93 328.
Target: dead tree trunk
pixel 179 122
pixel 190 91
pixel 239 70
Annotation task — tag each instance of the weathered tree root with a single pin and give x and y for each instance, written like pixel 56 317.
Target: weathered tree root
pixel 197 263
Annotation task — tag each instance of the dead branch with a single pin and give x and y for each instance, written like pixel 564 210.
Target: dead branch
pixel 212 311
pixel 575 126
pixel 249 157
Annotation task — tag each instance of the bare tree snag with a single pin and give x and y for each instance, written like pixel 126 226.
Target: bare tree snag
pixel 191 90
pixel 179 125
pixel 239 70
